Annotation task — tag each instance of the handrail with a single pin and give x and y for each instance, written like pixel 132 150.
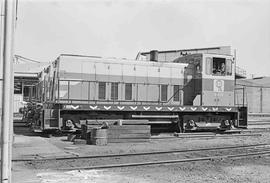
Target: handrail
pixel 114 101
pixel 175 94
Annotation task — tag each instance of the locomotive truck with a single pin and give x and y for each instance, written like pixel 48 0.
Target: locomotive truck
pixel 193 92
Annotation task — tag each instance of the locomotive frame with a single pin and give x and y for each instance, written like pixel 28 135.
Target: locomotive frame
pixel 193 92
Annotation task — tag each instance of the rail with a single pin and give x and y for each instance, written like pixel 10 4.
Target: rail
pixel 142 153
pixel 154 158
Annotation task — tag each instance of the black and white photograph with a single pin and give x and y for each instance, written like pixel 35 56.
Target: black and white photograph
pixel 135 91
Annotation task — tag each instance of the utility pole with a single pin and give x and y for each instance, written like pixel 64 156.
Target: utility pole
pixel 261 100
pixel 7 116
pixel 1 61
pixel 234 60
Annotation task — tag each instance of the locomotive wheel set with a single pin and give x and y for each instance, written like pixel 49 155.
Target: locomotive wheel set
pixel 192 92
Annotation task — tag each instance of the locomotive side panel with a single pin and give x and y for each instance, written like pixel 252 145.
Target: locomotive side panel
pixel 98 88
pixel 99 80
pixel 220 96
pixel 129 73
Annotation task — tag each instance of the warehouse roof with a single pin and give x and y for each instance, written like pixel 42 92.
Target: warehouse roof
pixel 28 69
pixel 259 81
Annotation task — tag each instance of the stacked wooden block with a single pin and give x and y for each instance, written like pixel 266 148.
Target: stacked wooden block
pixel 128 133
pixel 118 131
pixel 99 137
pixel 87 125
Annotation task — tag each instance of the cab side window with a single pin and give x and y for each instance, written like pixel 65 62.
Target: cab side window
pixel 198 66
pixel 101 90
pixel 219 66
pixel 228 67
pixel 208 65
pixel 164 92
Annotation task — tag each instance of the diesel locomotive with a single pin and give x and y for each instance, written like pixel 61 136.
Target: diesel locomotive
pixel 192 92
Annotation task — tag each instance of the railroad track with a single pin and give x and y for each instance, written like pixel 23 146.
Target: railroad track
pixel 207 136
pixel 259 123
pixel 150 158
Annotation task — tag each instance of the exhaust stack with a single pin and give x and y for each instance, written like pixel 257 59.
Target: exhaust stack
pixel 154 55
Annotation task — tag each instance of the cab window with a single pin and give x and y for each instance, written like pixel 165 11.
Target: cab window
pixel 219 66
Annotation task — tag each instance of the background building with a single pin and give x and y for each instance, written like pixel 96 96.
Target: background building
pixel 257 94
pixel 25 78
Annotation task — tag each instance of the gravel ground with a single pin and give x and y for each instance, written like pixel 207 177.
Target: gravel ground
pixel 157 144
pixel 252 169
pixel 244 170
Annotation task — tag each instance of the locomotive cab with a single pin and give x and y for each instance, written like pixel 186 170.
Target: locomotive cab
pixel 209 83
pixel 208 80
pixel 218 80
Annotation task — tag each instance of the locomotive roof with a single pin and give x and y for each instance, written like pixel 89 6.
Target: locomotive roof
pixel 84 58
pixel 225 50
pixel 184 58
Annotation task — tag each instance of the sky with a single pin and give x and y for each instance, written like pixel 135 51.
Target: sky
pixel 47 28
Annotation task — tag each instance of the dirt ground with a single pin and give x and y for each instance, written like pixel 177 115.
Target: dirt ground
pixel 251 169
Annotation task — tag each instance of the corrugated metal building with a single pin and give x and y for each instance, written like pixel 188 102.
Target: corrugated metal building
pixel 170 55
pixel 257 94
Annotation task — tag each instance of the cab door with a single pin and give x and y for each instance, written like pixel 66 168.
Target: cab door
pixel 209 97
pixel 197 81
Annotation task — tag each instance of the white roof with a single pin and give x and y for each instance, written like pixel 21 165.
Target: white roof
pixel 29 69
